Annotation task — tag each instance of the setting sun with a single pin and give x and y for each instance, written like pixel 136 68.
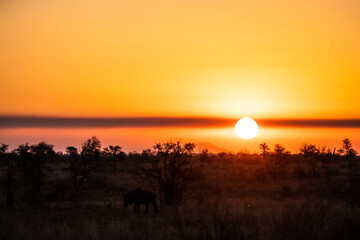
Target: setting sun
pixel 246 128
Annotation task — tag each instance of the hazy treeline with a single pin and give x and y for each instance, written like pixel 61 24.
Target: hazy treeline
pixel 272 194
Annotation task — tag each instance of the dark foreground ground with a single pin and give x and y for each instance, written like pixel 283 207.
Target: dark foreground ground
pixel 232 196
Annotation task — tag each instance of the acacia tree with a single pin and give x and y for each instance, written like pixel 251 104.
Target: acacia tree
pixel 168 167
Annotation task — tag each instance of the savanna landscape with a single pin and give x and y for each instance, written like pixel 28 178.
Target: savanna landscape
pixel 275 194
pixel 180 120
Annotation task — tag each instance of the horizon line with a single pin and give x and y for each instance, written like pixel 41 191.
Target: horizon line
pixel 189 122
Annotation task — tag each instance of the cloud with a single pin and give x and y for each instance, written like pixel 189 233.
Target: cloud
pixel 198 122
pixel 62 122
pixel 311 123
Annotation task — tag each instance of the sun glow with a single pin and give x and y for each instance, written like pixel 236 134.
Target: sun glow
pixel 246 128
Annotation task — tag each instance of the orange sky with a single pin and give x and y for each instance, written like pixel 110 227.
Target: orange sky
pixel 111 58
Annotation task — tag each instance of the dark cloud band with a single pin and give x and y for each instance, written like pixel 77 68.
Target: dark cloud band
pixel 311 123
pixel 28 122
pixel 71 122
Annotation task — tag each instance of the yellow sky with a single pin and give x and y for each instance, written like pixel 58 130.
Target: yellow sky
pixel 180 58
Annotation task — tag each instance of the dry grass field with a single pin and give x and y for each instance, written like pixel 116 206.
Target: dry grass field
pixel 227 196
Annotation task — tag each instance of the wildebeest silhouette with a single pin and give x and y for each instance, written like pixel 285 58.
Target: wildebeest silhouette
pixel 138 197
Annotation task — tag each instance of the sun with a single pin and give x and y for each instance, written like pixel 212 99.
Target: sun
pixel 246 128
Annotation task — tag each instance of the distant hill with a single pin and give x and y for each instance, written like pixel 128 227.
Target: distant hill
pixel 209 146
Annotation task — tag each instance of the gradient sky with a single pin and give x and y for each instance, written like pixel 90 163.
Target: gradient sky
pixel 111 58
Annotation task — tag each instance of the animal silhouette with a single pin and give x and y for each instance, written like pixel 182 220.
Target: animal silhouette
pixel 138 197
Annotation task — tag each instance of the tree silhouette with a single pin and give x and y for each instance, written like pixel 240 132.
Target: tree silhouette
pixel 31 159
pixel 83 165
pixel 279 150
pixel 168 168
pixel 23 157
pixel 277 162
pixel 312 153
pixel 91 148
pixel 115 153
pixel 264 148
pixel 77 167
pixel 308 150
pixel 41 153
pixel 204 156
pixel 71 150
pixel 347 149
pixel 11 170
